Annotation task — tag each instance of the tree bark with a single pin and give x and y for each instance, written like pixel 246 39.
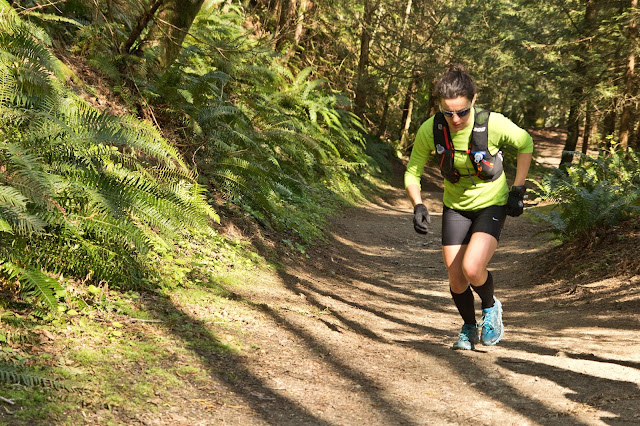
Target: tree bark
pixel 609 124
pixel 169 29
pixel 573 126
pixel 302 10
pixel 362 79
pixel 390 88
pixel 143 21
pixel 286 22
pixel 586 135
pixel 407 111
pixel 626 122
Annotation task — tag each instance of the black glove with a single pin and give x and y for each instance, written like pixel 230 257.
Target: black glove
pixel 515 203
pixel 420 215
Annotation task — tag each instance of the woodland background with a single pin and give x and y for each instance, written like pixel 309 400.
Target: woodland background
pixel 133 134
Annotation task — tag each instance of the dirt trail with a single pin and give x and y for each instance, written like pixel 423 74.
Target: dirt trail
pixel 360 334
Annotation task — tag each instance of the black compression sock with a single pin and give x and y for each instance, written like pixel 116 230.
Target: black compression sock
pixel 464 303
pixel 485 291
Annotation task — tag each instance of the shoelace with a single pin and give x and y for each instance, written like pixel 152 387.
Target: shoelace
pixel 486 322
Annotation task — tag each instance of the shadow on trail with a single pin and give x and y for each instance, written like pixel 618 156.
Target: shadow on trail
pixel 592 357
pixel 324 286
pixel 587 389
pixel 484 382
pixel 310 291
pixel 543 350
pixel 385 406
pixel 227 367
pixel 496 389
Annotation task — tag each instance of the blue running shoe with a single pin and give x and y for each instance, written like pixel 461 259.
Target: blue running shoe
pixel 492 329
pixel 467 338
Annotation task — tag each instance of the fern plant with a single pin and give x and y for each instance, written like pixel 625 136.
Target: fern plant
pixel 592 195
pixel 82 193
pixel 273 141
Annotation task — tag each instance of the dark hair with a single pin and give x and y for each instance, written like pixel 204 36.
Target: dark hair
pixel 456 82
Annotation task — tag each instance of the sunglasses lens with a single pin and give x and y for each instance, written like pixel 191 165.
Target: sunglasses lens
pixel 460 113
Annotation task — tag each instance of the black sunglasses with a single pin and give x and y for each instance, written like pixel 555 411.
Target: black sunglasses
pixel 460 113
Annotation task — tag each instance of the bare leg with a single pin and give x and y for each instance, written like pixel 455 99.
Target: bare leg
pixel 477 256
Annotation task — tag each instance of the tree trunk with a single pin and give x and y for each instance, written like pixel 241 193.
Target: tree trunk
pixel 626 123
pixel 286 22
pixel 362 79
pixel 609 124
pixel 170 28
pixel 276 9
pixel 573 126
pixel 407 111
pixel 143 21
pixel 302 9
pixel 580 70
pixel 390 87
pixel 586 135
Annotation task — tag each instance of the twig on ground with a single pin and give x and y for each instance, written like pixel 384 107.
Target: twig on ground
pixel 8 401
pixel 144 320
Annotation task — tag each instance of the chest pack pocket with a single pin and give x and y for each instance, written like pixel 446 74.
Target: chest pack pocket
pixel 487 167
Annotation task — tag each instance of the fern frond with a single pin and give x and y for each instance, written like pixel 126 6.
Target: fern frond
pixel 41 287
pixel 10 196
pixel 54 18
pixel 11 374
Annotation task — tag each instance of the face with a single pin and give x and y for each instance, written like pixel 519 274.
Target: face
pixel 457 123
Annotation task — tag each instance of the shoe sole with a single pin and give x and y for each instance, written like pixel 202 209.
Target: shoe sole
pixel 460 348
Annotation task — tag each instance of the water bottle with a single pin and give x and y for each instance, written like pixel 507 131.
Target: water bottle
pixel 478 156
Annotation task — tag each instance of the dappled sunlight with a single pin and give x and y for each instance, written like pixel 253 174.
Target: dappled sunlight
pixel 581 388
pixel 581 363
pixel 432 241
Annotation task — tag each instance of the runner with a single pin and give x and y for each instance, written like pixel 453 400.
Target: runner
pixel 465 142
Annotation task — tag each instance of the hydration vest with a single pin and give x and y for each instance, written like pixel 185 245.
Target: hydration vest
pixel 487 167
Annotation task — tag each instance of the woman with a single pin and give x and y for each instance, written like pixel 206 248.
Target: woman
pixel 466 142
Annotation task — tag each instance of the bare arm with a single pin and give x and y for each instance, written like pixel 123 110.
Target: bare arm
pixel 414 194
pixel 522 168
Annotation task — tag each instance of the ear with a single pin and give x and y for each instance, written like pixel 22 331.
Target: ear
pixel 473 101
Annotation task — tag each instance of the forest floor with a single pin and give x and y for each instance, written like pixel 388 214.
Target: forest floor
pixel 359 332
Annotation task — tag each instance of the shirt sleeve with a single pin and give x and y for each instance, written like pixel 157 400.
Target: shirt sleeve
pixel 420 154
pixel 505 132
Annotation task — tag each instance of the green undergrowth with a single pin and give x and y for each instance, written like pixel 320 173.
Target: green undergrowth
pixel 592 196
pixel 134 352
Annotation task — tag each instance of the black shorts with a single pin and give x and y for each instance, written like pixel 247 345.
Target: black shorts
pixel 458 225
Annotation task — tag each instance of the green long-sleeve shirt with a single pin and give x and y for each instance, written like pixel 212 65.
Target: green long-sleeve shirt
pixel 464 195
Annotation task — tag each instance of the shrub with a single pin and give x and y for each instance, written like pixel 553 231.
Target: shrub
pixel 593 194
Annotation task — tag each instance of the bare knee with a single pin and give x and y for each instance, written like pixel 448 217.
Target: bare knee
pixel 474 273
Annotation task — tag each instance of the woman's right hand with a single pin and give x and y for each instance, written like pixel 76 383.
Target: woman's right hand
pixel 420 216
